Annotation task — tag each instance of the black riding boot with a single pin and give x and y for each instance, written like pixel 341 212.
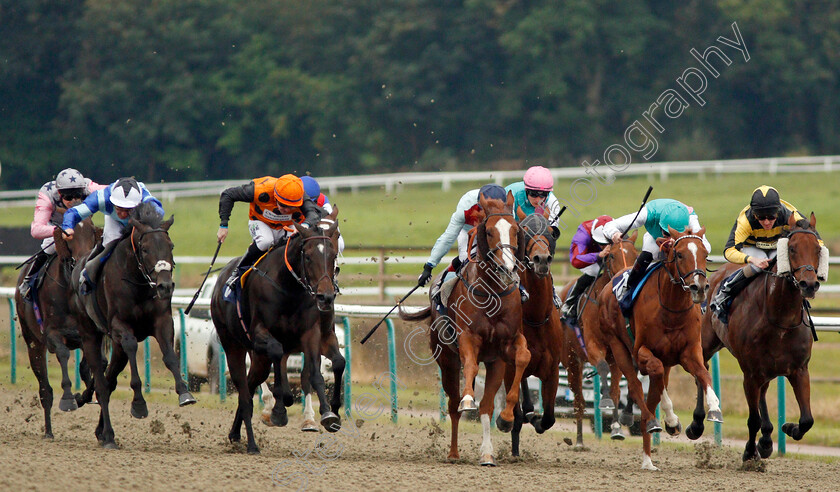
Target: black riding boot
pixel 37 263
pixel 728 290
pixel 244 264
pixel 90 273
pixel 636 273
pixel 570 306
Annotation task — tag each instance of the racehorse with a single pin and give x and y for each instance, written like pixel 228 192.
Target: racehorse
pixel 485 324
pixel 663 329
pixel 619 256
pixel 55 326
pixel 287 306
pixel 540 326
pixel 132 302
pixel 769 334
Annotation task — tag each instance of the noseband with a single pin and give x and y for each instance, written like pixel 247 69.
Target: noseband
pixel 791 275
pixel 680 278
pixel 160 265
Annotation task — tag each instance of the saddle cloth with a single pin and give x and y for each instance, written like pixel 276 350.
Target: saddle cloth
pixel 626 304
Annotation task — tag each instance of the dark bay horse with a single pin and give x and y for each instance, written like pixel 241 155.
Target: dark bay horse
pixel 289 299
pixel 484 324
pixel 58 328
pixel 618 257
pixel 663 329
pixel 769 335
pixel 132 302
pixel 541 326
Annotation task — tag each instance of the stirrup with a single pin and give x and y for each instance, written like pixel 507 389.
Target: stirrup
pixel 523 295
pixel 86 285
pixel 24 288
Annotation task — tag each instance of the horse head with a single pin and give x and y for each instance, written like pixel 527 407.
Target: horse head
pixel 152 248
pixel 801 258
pixel 499 239
pixel 684 252
pixel 621 255
pixel 319 248
pixel 540 242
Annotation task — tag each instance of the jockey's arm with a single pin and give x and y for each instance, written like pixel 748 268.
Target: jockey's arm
pixel 737 237
pixel 311 212
pixel 244 193
pixel 694 227
pixel 625 224
pixel 41 228
pixel 447 239
pixel 80 212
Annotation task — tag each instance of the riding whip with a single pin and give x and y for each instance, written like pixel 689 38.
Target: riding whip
pixel 29 260
pixel 644 200
pixel 389 313
pixel 195 297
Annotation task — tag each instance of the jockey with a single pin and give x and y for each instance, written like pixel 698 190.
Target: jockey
pixel 115 201
pixel 657 216
pixel 752 242
pixel 276 205
pixel 65 191
pixel 313 192
pixel 466 216
pixel 534 195
pixel 585 254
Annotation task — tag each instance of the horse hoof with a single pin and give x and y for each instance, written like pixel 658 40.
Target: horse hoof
pixel 607 404
pixel 309 426
pixel 185 399
pixel 253 450
pixel 467 405
pixel 503 425
pixel 288 400
pixel 653 426
pixel 694 431
pixel 647 464
pixel 715 416
pixel 615 432
pixel 110 445
pixel 789 428
pixel 487 460
pixel 331 422
pixel 279 419
pixel 530 416
pixel 139 410
pixel 48 437
pixel 80 401
pixel 765 447
pixel 265 418
pixel 626 419
pixel 673 431
pixel 68 404
pixel 234 438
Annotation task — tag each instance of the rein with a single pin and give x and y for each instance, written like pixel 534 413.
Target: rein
pixel 471 288
pixel 160 265
pixel 304 282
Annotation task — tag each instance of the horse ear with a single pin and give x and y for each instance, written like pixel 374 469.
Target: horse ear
pixel 60 244
pixel 700 232
pixel 519 213
pixel 166 225
pixel 480 233
pixel 303 231
pixel 482 202
pixel 634 236
pixel 137 224
pixel 334 213
pixel 510 201
pixel 662 242
pixel 813 221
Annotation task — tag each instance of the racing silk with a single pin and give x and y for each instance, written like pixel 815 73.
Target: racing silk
pixel 521 200
pixel 584 250
pixel 322 200
pixel 747 231
pixel 264 208
pixel 466 216
pixel 649 217
pixel 100 201
pixel 45 218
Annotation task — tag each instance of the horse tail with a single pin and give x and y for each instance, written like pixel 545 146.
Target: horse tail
pixel 418 316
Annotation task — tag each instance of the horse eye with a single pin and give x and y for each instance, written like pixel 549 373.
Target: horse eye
pixel 679 255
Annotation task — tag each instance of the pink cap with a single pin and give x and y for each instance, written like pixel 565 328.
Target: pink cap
pixel 539 178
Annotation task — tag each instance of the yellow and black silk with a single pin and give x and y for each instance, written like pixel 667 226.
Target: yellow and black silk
pixel 747 231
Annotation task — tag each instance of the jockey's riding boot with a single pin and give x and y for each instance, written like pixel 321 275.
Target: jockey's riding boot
pixel 91 269
pixel 570 306
pixel 245 262
pixel 636 273
pixel 34 267
pixel 730 288
pixel 455 266
pixel 523 294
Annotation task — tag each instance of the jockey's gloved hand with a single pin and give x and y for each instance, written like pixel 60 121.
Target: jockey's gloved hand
pixel 424 277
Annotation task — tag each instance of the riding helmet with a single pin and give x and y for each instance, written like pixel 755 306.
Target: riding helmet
pixel 538 178
pixel 288 190
pixel 311 187
pixel 765 199
pixel 125 193
pixel 493 191
pixel 69 179
pixel 674 215
pixel 597 230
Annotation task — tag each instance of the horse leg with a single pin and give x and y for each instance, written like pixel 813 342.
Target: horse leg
pixel 312 364
pixel 468 348
pixel 696 427
pixel 615 392
pixel 163 335
pixel 38 363
pixel 450 380
pixel 574 375
pixel 495 374
pixel 338 366
pixel 285 388
pixel 309 423
pixel 257 375
pixel 657 383
pixel 672 422
pixel 92 346
pixel 765 443
pixel 549 394
pixel 519 413
pixel 128 342
pixel 801 382
pixel 634 386
pixel 692 361
pixel 86 396
pixel 752 392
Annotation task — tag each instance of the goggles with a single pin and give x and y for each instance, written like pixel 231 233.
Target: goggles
pixel 537 193
pixel 72 194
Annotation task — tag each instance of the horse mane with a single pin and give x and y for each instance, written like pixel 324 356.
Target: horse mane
pixel 804 224
pixel 146 213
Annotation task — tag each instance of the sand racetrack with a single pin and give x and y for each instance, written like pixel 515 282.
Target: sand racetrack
pixel 177 448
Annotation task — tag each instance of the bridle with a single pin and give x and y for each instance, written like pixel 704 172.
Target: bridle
pixel 680 278
pixel 160 265
pixel 791 275
pixel 302 279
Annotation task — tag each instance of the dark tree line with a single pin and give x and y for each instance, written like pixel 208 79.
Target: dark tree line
pixel 206 89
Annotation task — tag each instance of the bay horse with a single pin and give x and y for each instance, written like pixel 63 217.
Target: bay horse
pixel 619 256
pixel 541 326
pixel 485 324
pixel 769 335
pixel 663 329
pixel 55 326
pixel 288 298
pixel 132 301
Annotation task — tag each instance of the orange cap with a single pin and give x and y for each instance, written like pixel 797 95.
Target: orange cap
pixel 288 190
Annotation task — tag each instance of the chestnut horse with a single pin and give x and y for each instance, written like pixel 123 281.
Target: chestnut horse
pixel 619 256
pixel 484 325
pixel 55 327
pixel 541 326
pixel 769 335
pixel 663 329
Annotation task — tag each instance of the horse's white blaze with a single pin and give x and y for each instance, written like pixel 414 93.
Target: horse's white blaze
pixel 486 444
pixel 308 410
pixel 668 407
pixel 712 402
pixel 162 265
pixel 321 248
pixel 693 249
pixel 647 464
pixel 503 227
